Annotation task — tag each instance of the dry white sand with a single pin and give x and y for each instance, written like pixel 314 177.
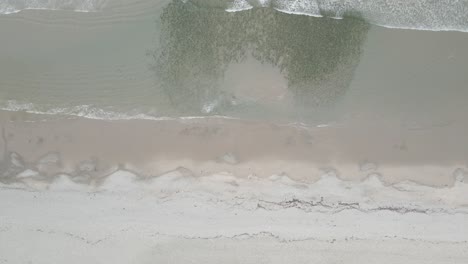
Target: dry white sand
pixel 177 218
pixel 217 190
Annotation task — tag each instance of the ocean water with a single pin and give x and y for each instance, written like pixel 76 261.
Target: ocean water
pixel 419 14
pixel 296 61
pixel 13 6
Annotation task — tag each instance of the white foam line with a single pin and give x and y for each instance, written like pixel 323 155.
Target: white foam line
pixel 87 112
pixel 233 10
pixel 422 29
pixel 12 7
pixel 298 13
pixel 239 6
pixel 376 24
pixel 125 117
pixel 80 111
pixel 373 23
pixel 448 26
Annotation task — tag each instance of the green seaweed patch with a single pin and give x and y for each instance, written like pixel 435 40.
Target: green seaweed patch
pixel 316 55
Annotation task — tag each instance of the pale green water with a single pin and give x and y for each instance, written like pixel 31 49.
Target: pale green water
pixel 145 59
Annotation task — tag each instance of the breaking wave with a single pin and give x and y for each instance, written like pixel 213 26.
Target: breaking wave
pixel 441 15
pixel 15 6
pixel 93 112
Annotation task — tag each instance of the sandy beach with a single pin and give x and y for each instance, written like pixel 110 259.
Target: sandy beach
pixel 214 189
pixel 244 148
pixel 233 132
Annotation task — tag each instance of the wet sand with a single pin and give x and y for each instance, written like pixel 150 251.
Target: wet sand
pixel 212 145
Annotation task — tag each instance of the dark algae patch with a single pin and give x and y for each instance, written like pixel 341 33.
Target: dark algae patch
pixel 317 56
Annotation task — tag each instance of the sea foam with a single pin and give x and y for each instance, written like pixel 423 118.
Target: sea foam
pixel 442 15
pixel 15 6
pixel 93 112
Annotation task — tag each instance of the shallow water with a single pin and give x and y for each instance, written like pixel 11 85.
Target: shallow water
pixel 357 92
pixel 161 59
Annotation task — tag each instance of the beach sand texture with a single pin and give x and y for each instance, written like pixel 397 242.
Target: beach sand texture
pixel 233 132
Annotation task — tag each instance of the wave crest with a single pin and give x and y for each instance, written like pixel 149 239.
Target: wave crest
pixel 15 6
pixel 93 112
pixel 441 15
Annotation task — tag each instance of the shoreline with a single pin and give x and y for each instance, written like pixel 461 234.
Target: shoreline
pixel 352 151
pixel 335 141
